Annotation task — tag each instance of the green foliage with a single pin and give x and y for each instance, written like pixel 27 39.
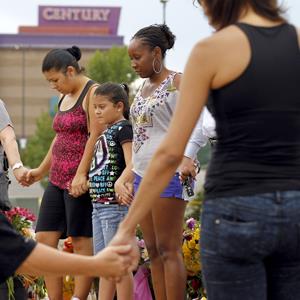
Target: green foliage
pixel 193 209
pixel 204 155
pixel 112 65
pixel 38 145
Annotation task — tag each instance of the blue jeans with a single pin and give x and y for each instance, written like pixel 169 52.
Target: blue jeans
pixel 250 247
pixel 106 219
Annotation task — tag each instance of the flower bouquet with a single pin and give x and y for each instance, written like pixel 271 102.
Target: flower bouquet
pixel 191 258
pixel 22 221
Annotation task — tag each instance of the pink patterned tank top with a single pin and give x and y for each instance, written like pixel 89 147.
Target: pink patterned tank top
pixel 71 136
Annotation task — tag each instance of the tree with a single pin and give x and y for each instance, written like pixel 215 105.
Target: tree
pixel 112 65
pixel 38 145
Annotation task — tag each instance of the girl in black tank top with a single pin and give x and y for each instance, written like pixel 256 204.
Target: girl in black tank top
pixel 258 119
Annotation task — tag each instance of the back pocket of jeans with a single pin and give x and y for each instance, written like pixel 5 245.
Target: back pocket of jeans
pixel 237 239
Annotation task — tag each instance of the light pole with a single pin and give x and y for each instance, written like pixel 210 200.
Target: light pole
pixel 164 3
pixel 22 139
pixel 23 91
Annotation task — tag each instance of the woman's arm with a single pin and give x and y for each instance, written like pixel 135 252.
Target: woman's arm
pixel 111 262
pixel 10 146
pixel 124 184
pixel 46 163
pixel 79 183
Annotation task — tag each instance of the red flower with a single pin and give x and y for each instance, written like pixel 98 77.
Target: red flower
pixel 195 284
pixel 68 246
pixel 20 212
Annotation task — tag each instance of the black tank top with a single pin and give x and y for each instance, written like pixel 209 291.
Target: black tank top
pixel 258 119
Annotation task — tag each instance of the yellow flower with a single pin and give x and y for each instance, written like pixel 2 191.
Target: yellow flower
pixel 192 244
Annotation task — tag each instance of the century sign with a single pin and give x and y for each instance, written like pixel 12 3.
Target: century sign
pixel 80 16
pixel 75 14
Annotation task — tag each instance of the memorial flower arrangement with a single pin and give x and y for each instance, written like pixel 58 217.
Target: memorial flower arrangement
pixel 22 221
pixel 191 258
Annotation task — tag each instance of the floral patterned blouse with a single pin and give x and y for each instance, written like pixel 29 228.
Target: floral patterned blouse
pixel 150 118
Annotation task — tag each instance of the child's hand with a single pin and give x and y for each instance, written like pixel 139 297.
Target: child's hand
pixel 78 185
pixel 124 192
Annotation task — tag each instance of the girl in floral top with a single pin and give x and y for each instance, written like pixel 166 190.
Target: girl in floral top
pixel 151 113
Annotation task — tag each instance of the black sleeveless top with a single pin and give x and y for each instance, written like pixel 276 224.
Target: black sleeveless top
pixel 258 119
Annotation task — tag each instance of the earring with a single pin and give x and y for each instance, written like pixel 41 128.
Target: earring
pixel 153 66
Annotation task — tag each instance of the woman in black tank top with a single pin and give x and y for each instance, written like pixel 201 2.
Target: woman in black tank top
pixel 250 223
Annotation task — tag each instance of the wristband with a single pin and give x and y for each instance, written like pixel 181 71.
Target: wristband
pixel 17 165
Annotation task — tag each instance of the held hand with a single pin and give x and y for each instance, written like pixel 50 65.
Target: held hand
pixel 33 176
pixel 124 192
pixel 124 238
pixel 78 186
pixel 20 175
pixel 187 168
pixel 114 261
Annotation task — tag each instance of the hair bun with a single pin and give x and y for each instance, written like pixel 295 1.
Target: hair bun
pixel 125 87
pixel 75 51
pixel 169 35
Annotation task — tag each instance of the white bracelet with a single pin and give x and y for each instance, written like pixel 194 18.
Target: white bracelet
pixel 17 165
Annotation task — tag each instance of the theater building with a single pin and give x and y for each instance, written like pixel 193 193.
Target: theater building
pixel 22 85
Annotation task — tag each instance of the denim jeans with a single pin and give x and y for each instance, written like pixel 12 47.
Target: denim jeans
pixel 250 247
pixel 106 219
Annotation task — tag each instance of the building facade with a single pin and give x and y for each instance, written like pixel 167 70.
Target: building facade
pixel 22 84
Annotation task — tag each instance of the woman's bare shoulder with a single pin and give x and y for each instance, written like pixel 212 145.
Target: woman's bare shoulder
pixel 226 36
pixel 226 53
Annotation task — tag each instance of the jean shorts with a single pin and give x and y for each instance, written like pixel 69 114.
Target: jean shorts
pixel 106 219
pixel 173 190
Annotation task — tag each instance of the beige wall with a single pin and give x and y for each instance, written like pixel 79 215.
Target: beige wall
pixel 26 85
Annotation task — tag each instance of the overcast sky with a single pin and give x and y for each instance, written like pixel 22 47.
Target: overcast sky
pixel 186 21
